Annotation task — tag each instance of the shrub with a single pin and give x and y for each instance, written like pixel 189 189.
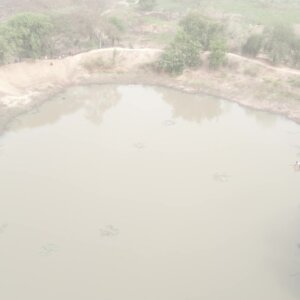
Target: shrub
pixel 217 57
pixel 171 61
pixel 147 5
pixel 5 50
pixel 296 53
pixel 25 36
pixel 253 45
pixel 201 29
pixel 114 28
pixel 251 71
pixel 278 43
pixel 182 52
pixel 196 34
pixel 93 65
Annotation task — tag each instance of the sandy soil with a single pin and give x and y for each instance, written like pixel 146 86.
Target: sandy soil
pixel 27 78
pixel 249 82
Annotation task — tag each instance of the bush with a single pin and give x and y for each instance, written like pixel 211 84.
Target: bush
pixel 217 57
pixel 189 48
pixel 278 43
pixel 147 5
pixel 296 53
pixel 5 50
pixel 93 65
pixel 253 45
pixel 171 61
pixel 114 28
pixel 183 52
pixel 196 34
pixel 201 29
pixel 25 36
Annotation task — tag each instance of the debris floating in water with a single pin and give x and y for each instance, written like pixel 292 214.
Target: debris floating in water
pixel 297 165
pixel 221 177
pixel 3 227
pixel 139 146
pixel 48 249
pixel 109 231
pixel 169 123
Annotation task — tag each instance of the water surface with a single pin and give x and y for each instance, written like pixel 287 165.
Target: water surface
pixel 132 192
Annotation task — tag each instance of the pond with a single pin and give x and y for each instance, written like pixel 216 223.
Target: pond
pixel 135 192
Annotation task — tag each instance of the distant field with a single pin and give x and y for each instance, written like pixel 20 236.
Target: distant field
pixel 258 11
pixel 173 5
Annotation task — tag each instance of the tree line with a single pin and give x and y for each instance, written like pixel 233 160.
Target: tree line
pixel 24 36
pixel 197 34
pixel 35 35
pixel 279 42
pixel 32 35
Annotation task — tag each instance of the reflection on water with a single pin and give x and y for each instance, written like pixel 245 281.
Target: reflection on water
pixel 265 120
pixel 136 192
pixel 96 102
pixel 195 108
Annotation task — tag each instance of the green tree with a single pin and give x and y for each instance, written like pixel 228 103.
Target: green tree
pixel 171 61
pixel 253 45
pixel 203 30
pixel 4 46
pixel 278 43
pixel 190 49
pixel 296 53
pixel 181 53
pixel 114 28
pixel 217 57
pixel 147 5
pixel 195 35
pixel 28 35
pixel 3 50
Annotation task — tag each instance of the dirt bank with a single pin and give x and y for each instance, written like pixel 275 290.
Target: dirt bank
pixel 248 82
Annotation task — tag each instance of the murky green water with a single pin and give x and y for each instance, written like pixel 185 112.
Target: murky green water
pixel 137 193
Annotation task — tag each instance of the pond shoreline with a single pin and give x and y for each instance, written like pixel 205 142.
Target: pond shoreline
pixel 22 93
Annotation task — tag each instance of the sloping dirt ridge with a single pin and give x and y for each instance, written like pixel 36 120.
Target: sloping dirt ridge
pixel 249 82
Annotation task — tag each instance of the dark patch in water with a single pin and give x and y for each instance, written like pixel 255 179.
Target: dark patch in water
pixel 3 228
pixel 221 177
pixel 169 123
pixel 109 231
pixel 48 249
pixel 139 146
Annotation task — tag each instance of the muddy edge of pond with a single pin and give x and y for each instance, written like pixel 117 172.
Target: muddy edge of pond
pixel 244 91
